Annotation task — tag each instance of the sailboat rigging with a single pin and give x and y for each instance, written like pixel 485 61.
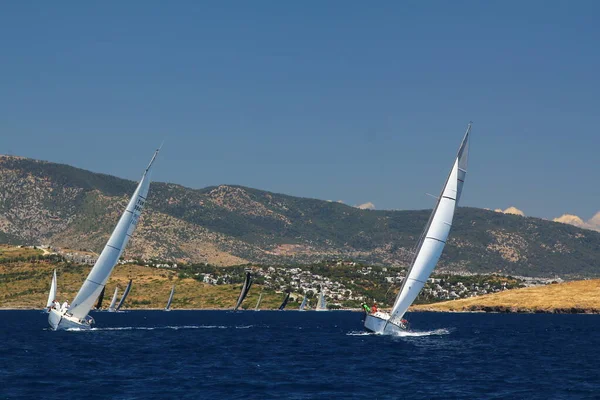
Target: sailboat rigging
pixel 52 294
pixel 429 247
pixel 111 307
pixel 99 303
pixel 168 307
pixel 76 315
pixel 245 290
pixel 285 301
pixel 125 294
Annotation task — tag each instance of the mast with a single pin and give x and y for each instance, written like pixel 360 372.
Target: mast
pixel 168 307
pixel 98 276
pixel 127 289
pixel 99 303
pixel 434 236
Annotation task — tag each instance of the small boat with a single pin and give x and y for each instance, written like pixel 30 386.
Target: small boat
pixel 429 248
pixel 321 303
pixel 303 304
pixel 245 290
pixel 76 315
pixel 111 307
pixel 125 294
pixel 99 303
pixel 168 307
pixel 52 294
pixel 285 301
pixel 258 302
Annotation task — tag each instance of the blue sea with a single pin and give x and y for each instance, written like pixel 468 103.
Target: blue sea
pixel 300 355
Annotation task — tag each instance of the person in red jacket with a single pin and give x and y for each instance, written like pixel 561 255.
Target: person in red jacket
pixel 374 308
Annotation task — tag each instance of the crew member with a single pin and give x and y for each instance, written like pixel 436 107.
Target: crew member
pixel 374 308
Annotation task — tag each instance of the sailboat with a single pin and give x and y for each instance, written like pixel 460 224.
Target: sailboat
pixel 99 303
pixel 245 290
pixel 285 301
pixel 303 304
pixel 125 294
pixel 258 302
pixel 429 248
pixel 111 307
pixel 321 303
pixel 168 307
pixel 76 316
pixel 52 294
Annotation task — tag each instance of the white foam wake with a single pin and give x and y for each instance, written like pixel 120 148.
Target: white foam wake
pixel 435 332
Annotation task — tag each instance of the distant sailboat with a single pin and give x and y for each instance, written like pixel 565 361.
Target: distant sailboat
pixel 321 304
pixel 76 316
pixel 303 304
pixel 99 303
pixel 52 294
pixel 168 307
pixel 258 302
pixel 111 307
pixel 429 247
pixel 125 294
pixel 245 290
pixel 285 301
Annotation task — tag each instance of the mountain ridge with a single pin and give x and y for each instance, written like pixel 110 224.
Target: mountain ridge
pixel 45 202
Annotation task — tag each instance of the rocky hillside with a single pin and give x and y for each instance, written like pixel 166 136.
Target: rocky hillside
pixel 47 203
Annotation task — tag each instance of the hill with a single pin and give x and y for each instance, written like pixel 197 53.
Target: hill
pixel 569 297
pixel 48 203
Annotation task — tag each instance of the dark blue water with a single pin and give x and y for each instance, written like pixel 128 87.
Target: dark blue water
pixel 294 355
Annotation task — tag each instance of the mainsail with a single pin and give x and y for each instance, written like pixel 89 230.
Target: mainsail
pixel 435 234
pixel 258 302
pixel 52 294
pixel 127 289
pixel 99 302
pixel 321 304
pixel 99 274
pixel 245 289
pixel 303 304
pixel 168 307
pixel 111 307
pixel 285 301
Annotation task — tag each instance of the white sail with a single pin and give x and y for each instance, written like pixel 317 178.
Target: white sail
pixel 168 307
pixel 52 294
pixel 99 274
pixel 303 304
pixel 125 294
pixel 114 300
pixel 435 234
pixel 321 304
pixel 258 302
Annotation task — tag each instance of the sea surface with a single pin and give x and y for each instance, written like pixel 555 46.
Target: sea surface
pixel 300 355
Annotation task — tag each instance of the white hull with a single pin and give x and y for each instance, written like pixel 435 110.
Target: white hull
pixel 378 323
pixel 60 320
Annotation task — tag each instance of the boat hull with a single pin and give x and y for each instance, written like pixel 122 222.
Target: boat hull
pixel 379 323
pixel 60 320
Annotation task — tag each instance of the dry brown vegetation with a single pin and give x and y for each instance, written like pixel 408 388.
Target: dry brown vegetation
pixel 576 296
pixel 26 285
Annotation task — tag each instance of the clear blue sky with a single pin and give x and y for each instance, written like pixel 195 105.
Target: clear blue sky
pixel 339 100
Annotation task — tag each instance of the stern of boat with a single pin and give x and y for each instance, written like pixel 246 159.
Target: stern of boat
pixel 60 320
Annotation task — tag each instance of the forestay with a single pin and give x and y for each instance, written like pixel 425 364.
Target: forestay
pixel 99 274
pixel 433 239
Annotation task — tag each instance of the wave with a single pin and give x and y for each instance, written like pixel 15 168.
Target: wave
pixel 148 328
pixel 435 332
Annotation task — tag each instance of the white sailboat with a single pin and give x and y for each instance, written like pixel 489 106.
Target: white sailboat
pixel 321 303
pixel 429 248
pixel 125 294
pixel 111 307
pixel 52 294
pixel 303 304
pixel 168 307
pixel 76 316
pixel 258 302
